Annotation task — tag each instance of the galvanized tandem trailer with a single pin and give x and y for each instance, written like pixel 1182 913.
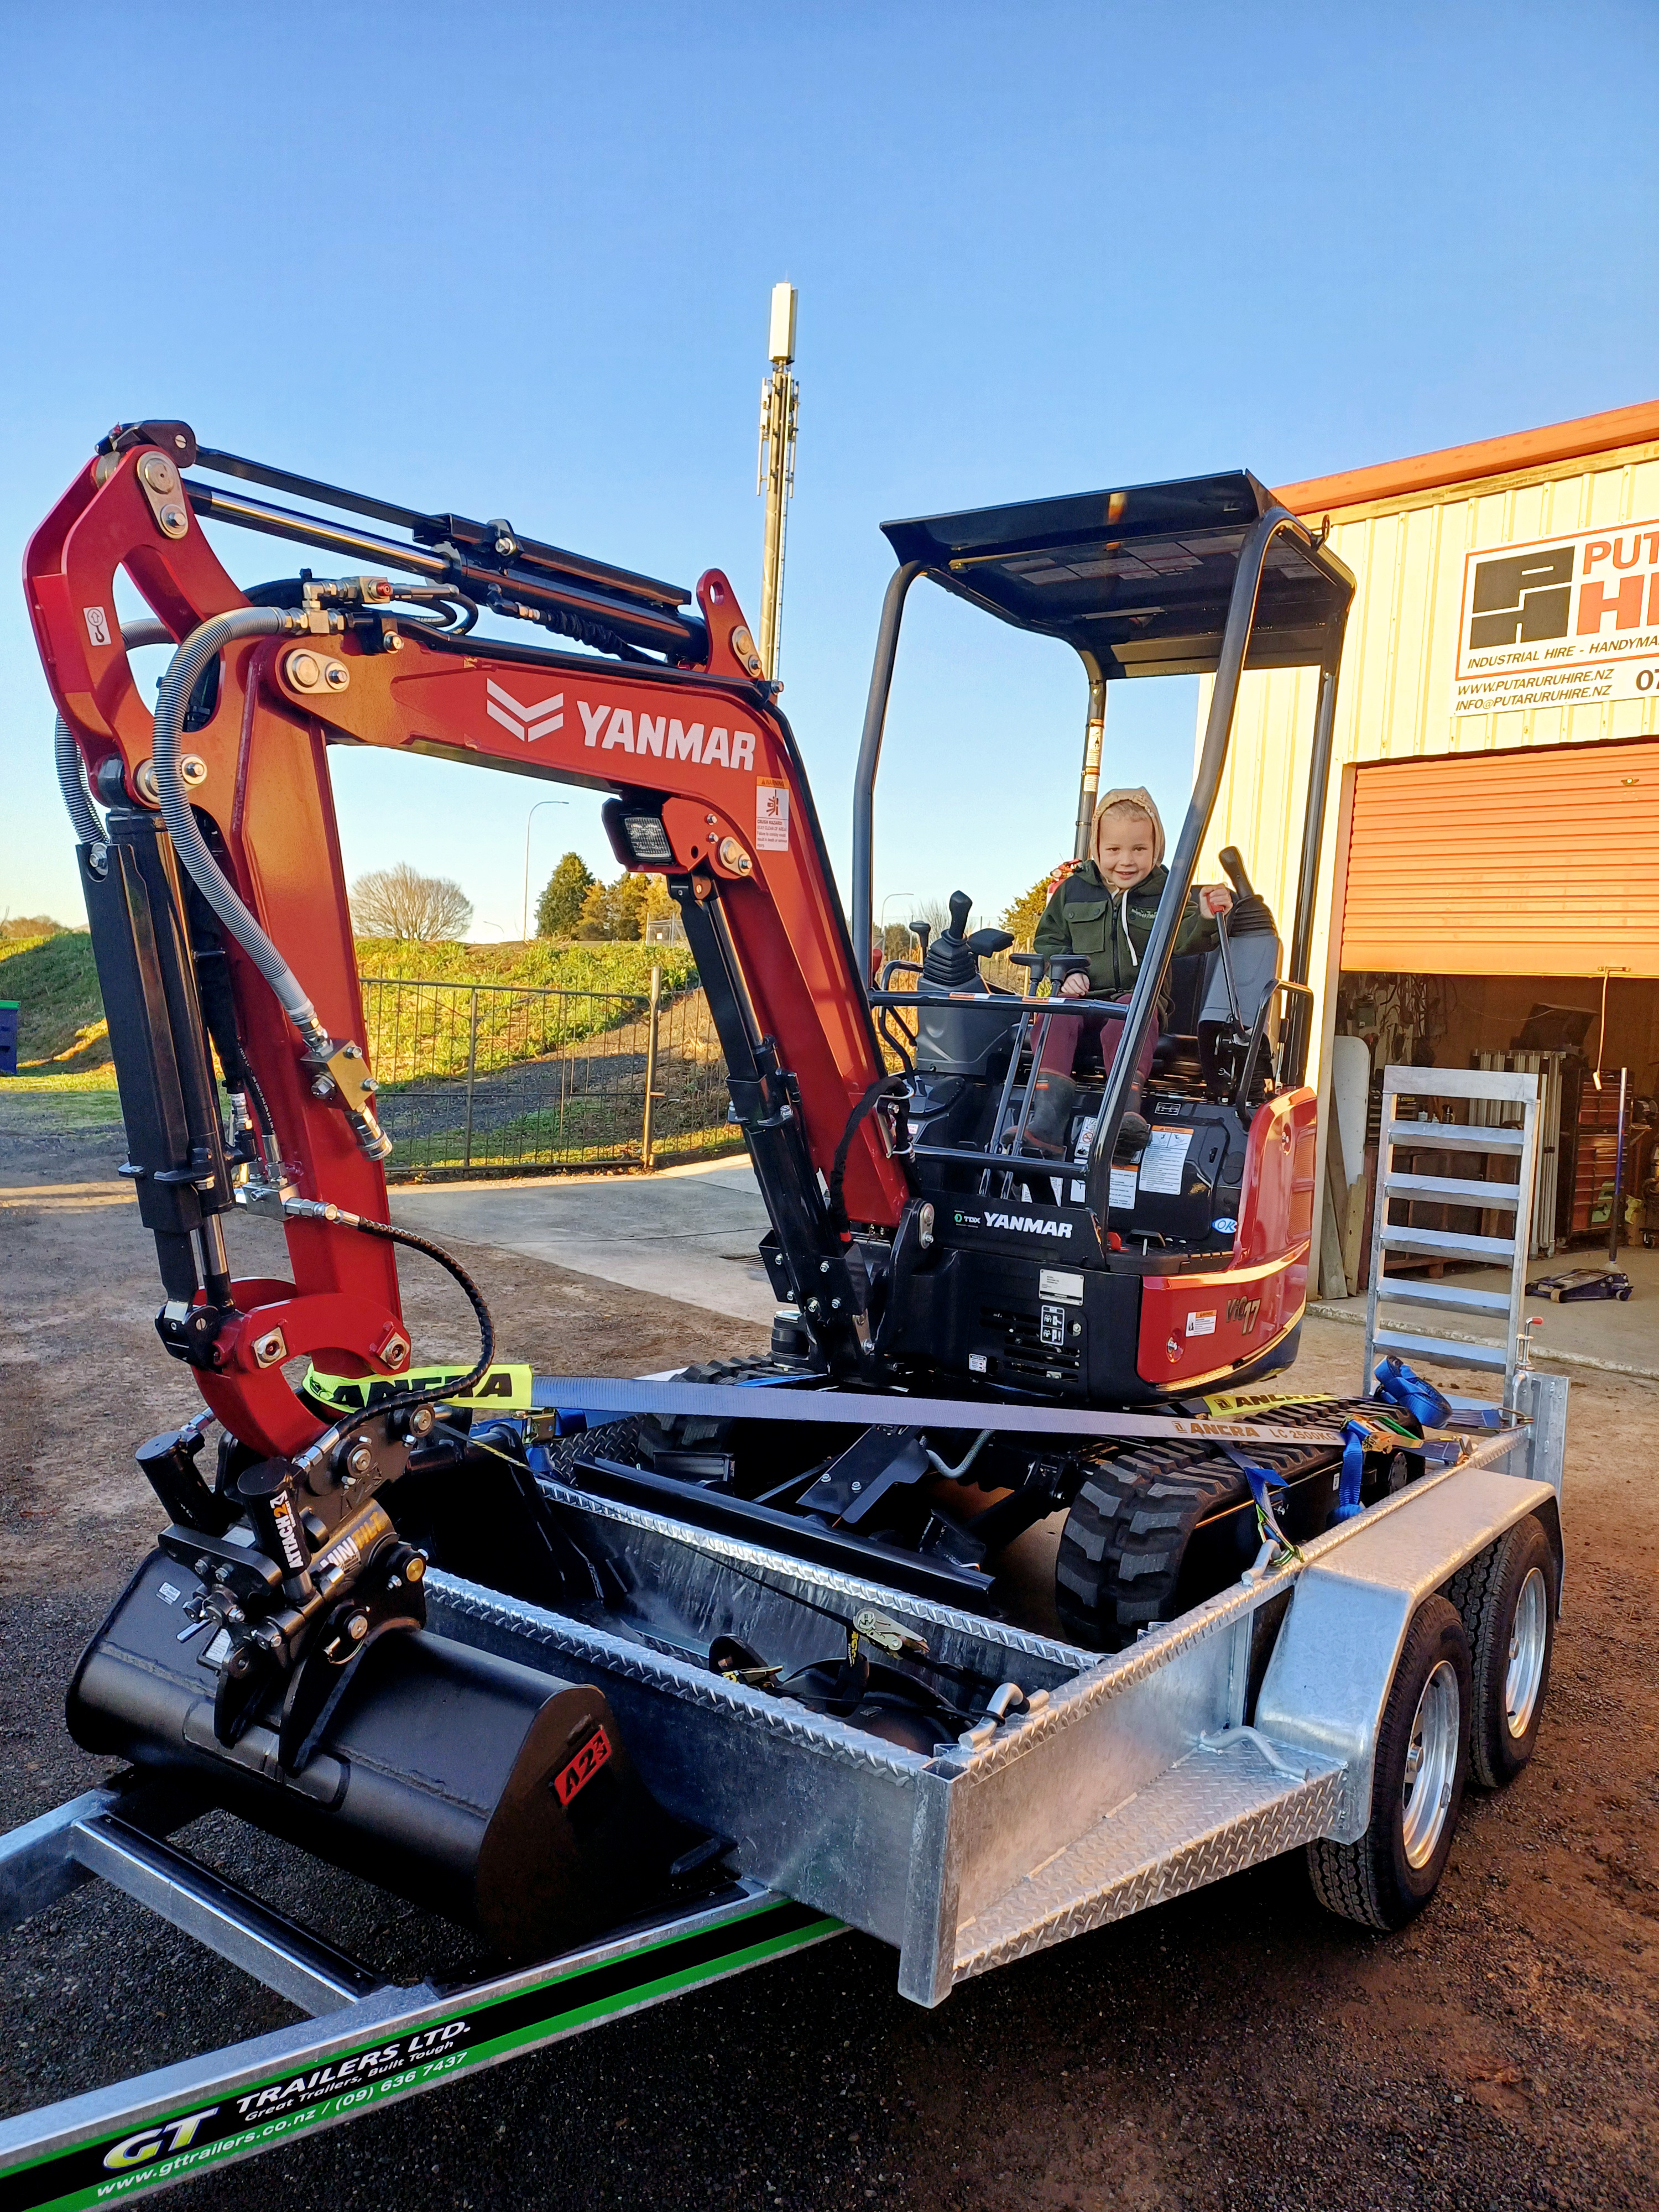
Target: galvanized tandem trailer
pixel 1334 1699
pixel 1016 1789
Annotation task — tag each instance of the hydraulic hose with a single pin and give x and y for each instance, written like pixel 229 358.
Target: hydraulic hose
pixel 313 1209
pixel 89 830
pixel 204 644
pixel 71 770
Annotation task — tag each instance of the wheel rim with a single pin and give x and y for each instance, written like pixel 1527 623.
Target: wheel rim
pixel 1431 1765
pixel 1529 1640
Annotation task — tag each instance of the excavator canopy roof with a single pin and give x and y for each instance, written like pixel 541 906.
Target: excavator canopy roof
pixel 1137 580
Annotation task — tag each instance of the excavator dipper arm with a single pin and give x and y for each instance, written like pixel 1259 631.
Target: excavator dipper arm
pixel 707 788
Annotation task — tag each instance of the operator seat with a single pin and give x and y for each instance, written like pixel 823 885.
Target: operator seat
pixel 1199 1014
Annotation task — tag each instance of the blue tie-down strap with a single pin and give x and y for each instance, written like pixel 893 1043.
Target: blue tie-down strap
pixel 1263 1480
pixel 1355 1437
pixel 1396 1383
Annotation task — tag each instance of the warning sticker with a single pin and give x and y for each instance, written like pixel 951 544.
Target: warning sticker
pixel 1201 1324
pixel 97 624
pixel 771 814
pixel 1121 1197
pixel 1161 1161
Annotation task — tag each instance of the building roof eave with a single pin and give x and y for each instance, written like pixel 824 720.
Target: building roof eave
pixel 1489 457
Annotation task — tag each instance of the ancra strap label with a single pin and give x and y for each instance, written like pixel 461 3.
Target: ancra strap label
pixel 503 1389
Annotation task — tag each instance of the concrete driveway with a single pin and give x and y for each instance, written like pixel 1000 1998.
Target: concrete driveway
pixel 689 1233
pixel 1621 1336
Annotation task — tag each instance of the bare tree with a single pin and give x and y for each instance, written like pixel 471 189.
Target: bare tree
pixel 400 901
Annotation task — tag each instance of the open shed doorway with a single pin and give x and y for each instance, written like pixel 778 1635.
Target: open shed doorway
pixel 1568 1029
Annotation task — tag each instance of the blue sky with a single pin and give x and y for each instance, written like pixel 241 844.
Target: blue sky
pixel 517 260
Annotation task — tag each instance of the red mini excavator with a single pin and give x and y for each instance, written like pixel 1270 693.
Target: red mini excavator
pixel 971 1337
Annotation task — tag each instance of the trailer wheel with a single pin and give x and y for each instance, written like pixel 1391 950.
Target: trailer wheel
pixel 1506 1596
pixel 1417 1789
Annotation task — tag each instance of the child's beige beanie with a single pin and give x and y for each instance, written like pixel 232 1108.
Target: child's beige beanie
pixel 1143 802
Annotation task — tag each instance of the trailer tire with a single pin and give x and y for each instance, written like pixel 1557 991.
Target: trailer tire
pixel 1387 1877
pixel 1507 1598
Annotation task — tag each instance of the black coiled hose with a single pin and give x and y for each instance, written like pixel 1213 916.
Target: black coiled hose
pixel 333 1437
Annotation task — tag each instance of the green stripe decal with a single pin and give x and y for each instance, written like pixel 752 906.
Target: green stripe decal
pixel 177 2146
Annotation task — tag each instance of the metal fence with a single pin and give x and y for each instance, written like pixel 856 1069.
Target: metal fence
pixel 476 1079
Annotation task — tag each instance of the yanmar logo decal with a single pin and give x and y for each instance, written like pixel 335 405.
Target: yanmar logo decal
pixel 526 720
pixel 1029 1225
pixel 607 728
pixel 663 737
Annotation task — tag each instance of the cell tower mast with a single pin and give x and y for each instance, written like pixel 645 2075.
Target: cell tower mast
pixel 776 475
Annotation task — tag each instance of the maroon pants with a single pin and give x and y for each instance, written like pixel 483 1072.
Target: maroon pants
pixel 1066 1033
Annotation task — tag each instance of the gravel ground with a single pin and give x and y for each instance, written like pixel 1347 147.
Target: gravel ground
pixel 1233 2049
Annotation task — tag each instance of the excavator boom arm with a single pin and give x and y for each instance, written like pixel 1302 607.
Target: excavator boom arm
pixel 706 789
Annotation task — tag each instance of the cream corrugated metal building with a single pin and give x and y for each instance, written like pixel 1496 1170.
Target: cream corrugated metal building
pixel 1439 865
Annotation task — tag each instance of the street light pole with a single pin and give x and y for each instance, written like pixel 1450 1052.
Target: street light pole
pixel 885 904
pixel 524 924
pixel 775 473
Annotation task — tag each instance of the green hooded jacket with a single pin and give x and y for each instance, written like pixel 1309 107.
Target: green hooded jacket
pixel 1112 928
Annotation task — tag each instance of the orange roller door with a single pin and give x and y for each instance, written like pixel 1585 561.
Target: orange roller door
pixel 1506 864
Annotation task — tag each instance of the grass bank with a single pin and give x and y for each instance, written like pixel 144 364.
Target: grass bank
pixel 63 1041
pixel 61 1030
pixel 424 1021
pixel 542 964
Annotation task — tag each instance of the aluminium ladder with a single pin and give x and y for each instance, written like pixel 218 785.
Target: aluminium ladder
pixel 1477 1088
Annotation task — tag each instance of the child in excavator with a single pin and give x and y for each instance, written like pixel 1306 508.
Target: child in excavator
pixel 1104 909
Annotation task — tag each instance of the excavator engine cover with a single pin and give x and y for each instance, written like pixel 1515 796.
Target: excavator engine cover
pixel 488 1792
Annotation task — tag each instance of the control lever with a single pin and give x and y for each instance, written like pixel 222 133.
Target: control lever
pixel 1232 861
pixel 1059 965
pixel 1227 971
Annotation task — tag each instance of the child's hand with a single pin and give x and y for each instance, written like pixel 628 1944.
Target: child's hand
pixel 1214 899
pixel 1076 986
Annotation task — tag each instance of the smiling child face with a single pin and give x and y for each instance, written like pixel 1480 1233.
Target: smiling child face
pixel 1126 846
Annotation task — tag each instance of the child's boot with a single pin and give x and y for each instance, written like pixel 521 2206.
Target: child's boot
pixel 1053 1104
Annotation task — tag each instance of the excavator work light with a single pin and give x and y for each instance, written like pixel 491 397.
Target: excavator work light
pixel 646 838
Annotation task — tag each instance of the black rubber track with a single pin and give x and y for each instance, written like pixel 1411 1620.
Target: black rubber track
pixel 1126 1537
pixel 1125 1541
pixel 689 1431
